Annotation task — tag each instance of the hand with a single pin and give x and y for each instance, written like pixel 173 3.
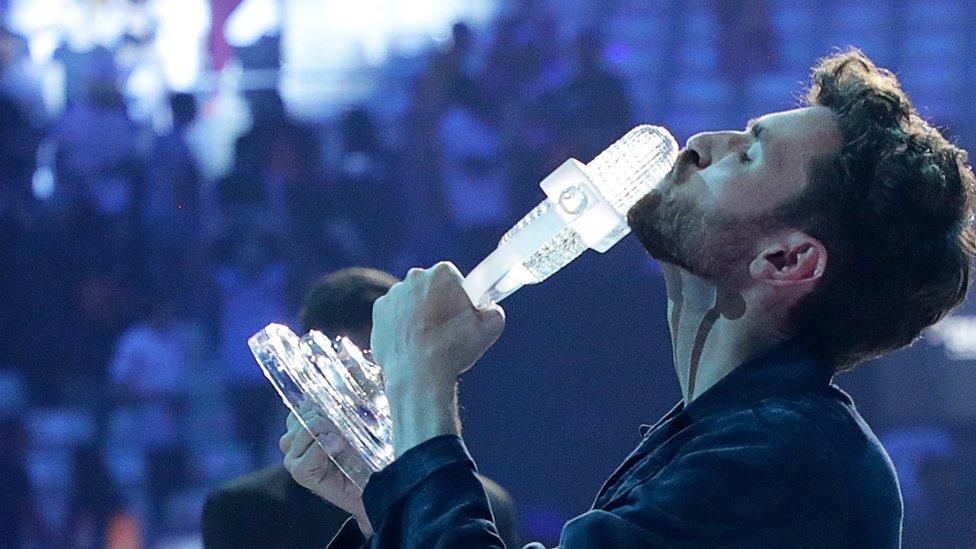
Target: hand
pixel 312 468
pixel 426 332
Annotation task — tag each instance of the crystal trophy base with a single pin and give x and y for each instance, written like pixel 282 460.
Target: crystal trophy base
pixel 337 380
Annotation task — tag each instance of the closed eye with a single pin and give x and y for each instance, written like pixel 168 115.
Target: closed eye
pixel 744 157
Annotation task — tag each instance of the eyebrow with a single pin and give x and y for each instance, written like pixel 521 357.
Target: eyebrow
pixel 756 128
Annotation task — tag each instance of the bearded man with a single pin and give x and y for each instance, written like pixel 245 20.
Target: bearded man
pixel 812 241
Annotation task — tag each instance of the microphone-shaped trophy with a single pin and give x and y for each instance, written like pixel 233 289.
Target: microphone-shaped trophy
pixel 586 207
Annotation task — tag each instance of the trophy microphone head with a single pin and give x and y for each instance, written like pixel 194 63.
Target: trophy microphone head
pixel 586 208
pixel 633 165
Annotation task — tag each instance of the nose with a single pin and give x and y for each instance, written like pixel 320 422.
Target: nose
pixel 711 147
pixel 699 145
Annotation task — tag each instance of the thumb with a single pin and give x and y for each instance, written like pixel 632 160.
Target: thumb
pixel 492 320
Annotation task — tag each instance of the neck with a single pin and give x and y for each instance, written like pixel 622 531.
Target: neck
pixel 712 331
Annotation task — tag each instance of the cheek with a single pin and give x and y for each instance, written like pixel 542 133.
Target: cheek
pixel 710 187
pixel 738 194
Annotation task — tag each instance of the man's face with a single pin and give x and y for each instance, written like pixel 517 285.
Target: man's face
pixel 708 213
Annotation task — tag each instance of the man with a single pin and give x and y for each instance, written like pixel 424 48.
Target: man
pixel 816 239
pixel 269 509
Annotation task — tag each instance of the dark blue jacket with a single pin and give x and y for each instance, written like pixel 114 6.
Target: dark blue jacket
pixel 773 455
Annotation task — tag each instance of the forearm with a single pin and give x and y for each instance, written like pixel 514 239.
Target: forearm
pixel 422 413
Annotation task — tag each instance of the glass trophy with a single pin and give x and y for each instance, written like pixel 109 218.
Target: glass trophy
pixel 339 381
pixel 586 208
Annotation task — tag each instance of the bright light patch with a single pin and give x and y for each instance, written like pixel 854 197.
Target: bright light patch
pixel 182 27
pixel 251 20
pixel 173 61
pixel 328 47
pixel 957 333
pixel 42 184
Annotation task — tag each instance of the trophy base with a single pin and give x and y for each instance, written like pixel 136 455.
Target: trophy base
pixel 332 378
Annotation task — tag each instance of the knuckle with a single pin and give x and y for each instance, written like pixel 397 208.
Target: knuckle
pixel 319 425
pixel 378 307
pixel 445 271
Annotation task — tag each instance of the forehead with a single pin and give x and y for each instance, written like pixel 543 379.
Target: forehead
pixel 790 141
pixel 792 138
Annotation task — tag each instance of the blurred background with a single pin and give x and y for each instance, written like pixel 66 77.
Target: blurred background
pixel 174 174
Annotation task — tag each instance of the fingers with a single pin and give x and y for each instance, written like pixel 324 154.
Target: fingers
pixel 299 444
pixel 284 443
pixel 297 439
pixel 311 459
pixel 442 272
pixel 493 321
pixel 293 428
pixel 314 458
pixel 297 435
pixel 446 269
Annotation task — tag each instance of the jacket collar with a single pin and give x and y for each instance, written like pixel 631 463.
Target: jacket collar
pixel 784 369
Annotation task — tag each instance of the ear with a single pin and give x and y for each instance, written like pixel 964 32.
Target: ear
pixel 792 259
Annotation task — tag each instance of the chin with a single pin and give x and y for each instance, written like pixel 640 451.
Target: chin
pixel 646 220
pixel 671 229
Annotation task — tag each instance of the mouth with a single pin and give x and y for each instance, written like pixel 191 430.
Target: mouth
pixel 684 166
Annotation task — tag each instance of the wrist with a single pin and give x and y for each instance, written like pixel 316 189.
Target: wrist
pixel 422 413
pixel 364 526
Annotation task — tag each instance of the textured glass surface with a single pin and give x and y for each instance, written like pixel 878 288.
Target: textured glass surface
pixel 623 173
pixel 340 382
pixel 555 254
pixel 631 167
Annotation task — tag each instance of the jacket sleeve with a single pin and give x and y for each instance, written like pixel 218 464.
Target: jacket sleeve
pixel 753 482
pixel 430 498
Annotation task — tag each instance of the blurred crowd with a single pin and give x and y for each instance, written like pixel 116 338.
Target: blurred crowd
pixel 132 280
pixel 133 275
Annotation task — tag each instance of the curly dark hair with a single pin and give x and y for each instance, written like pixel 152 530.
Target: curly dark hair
pixel 894 208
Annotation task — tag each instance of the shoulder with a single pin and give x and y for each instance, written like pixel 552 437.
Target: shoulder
pixel 240 495
pixel 267 507
pixel 794 423
pixel 829 424
pixel 814 443
pixel 808 439
pixel 765 472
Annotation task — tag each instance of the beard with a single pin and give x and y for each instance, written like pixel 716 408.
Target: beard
pixel 674 229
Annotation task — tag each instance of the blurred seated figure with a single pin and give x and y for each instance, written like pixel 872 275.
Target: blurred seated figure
pixel 149 357
pixel 593 108
pixel 362 216
pixel 475 183
pixel 277 166
pixel 250 281
pixel 171 208
pixel 149 369
pixel 99 158
pixel 269 509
